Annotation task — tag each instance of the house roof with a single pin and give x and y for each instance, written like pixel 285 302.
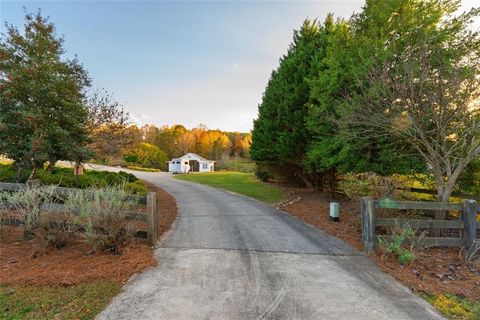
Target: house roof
pixel 193 156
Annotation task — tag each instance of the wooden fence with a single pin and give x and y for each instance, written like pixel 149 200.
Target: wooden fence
pixel 150 217
pixel 467 223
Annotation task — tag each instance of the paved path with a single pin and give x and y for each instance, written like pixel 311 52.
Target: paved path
pixel 231 257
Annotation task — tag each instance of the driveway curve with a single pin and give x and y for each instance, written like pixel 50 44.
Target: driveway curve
pixel 232 257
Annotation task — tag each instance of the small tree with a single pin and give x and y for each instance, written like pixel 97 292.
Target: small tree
pixel 146 155
pixel 425 89
pixel 42 112
pixel 107 124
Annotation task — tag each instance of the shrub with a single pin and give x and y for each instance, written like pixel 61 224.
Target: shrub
pixel 103 216
pixel 262 175
pixel 28 203
pixel 357 185
pixel 137 188
pixel 146 155
pixel 398 246
pixel 63 177
pixel 53 227
pixel 7 173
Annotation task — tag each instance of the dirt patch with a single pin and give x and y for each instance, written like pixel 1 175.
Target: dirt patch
pixel 31 263
pixel 437 270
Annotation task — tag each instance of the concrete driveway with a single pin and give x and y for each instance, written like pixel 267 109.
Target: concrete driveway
pixel 231 257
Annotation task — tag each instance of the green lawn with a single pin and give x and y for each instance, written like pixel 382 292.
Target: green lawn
pixel 243 183
pixel 236 165
pixel 83 301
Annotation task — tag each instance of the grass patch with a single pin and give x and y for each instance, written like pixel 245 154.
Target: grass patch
pixel 237 165
pixel 454 307
pixel 143 169
pixel 243 183
pixel 83 301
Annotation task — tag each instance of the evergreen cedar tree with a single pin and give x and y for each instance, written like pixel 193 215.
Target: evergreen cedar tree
pixel 42 112
pixel 339 80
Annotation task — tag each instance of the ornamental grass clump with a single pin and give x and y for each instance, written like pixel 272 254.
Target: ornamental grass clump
pixel 36 207
pixel 103 216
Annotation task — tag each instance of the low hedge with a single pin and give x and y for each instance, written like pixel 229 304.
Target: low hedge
pixel 64 177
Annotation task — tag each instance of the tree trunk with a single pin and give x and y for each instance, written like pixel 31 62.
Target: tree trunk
pixel 51 165
pixel 33 174
pixel 443 194
pixel 318 179
pixel 333 182
pixel 303 178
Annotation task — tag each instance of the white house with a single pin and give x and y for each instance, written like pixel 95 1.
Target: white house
pixel 190 162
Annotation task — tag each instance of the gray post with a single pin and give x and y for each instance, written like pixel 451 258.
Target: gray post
pixel 469 216
pixel 152 218
pixel 368 225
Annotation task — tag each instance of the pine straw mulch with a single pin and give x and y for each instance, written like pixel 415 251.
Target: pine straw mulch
pixel 31 263
pixel 437 270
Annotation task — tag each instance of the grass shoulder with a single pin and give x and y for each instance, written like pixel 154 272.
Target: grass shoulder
pixel 243 183
pixel 81 301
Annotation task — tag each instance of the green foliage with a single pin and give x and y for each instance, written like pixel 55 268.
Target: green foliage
pixel 242 183
pixel 340 143
pixel 309 117
pixel 63 177
pixel 137 188
pixel 82 301
pixel 416 83
pixel 279 133
pixel 398 247
pixel 147 155
pixel 42 112
pixel 469 180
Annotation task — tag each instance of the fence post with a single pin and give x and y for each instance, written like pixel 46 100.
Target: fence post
pixel 469 216
pixel 368 224
pixel 152 233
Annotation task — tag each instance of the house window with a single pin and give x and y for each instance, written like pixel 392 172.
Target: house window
pixel 204 166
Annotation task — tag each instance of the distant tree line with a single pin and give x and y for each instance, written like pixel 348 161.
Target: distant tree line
pixel 393 89
pixel 177 140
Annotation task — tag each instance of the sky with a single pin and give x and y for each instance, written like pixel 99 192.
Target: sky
pixel 186 62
